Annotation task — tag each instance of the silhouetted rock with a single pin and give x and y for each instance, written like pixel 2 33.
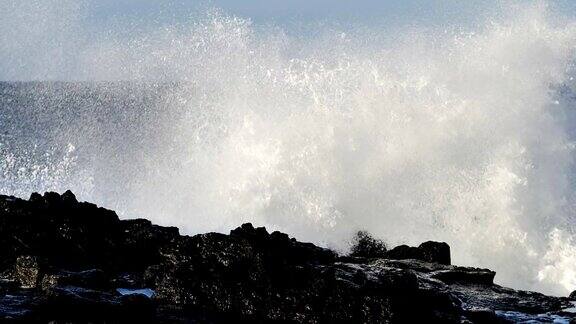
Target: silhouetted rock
pixel 279 249
pixel 437 252
pixel 67 261
pixel 403 252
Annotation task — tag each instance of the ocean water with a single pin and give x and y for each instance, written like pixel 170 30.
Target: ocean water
pixel 463 134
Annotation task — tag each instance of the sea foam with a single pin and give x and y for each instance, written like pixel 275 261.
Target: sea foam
pixel 463 135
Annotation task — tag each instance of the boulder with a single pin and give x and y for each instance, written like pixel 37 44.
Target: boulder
pixel 434 252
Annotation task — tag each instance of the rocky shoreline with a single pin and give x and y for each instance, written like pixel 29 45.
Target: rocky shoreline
pixel 65 261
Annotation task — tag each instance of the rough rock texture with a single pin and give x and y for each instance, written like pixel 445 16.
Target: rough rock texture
pixel 437 252
pixel 65 261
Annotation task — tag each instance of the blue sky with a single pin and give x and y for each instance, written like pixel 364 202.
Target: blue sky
pixel 43 39
pixel 283 10
pixel 280 11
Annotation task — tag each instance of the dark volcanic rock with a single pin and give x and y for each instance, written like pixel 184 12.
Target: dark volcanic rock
pixel 92 279
pixel 67 261
pixel 54 227
pixel 437 252
pixel 482 315
pixel 278 249
pixel 27 271
pixel 466 275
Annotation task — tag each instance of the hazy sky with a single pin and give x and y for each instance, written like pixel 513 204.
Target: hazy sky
pixel 49 39
pixel 286 10
pixel 281 10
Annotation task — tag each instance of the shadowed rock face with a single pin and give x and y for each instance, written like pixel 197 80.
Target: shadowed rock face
pixel 67 261
pixel 436 252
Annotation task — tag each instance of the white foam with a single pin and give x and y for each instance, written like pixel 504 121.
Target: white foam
pixel 127 291
pixel 463 137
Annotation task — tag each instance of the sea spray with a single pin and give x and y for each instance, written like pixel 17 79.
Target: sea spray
pixel 457 135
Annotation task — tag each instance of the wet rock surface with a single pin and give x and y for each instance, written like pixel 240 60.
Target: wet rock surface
pixel 66 261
